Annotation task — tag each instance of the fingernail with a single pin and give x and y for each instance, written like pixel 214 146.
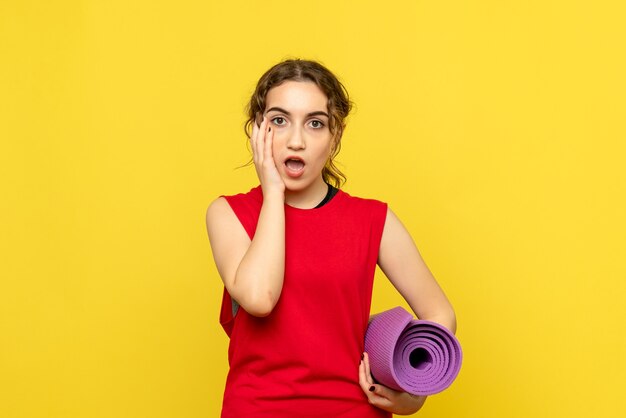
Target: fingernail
pixel 372 388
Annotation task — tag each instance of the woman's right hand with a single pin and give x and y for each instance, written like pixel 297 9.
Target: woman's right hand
pixel 261 142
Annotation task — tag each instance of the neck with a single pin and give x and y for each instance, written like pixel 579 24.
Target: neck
pixel 309 197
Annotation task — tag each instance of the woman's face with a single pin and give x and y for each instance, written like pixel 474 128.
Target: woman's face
pixel 298 115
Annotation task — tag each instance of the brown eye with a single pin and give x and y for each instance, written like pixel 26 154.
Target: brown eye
pixel 279 121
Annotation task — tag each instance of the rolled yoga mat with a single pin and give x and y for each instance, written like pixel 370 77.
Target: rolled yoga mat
pixel 415 356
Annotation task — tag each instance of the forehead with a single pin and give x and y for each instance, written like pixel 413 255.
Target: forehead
pixel 297 97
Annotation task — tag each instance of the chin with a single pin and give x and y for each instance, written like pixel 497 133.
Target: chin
pixel 295 185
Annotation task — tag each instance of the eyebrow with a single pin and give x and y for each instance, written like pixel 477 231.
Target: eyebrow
pixel 279 109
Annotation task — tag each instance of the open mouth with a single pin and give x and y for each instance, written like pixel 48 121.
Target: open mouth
pixel 294 165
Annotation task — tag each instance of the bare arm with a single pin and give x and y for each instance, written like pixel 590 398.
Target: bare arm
pixel 253 270
pixel 403 265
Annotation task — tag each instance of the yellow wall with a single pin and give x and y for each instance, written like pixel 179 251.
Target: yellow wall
pixel 494 129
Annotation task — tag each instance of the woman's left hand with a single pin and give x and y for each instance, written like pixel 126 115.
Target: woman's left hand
pixel 399 403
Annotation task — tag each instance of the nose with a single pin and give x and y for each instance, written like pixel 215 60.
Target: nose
pixel 296 140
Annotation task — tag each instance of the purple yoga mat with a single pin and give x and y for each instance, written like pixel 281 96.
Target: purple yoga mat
pixel 415 356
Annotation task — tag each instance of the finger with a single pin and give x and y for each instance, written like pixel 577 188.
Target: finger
pixel 376 396
pixel 375 399
pixel 255 128
pixel 383 392
pixel 269 139
pixel 365 385
pixel 368 373
pixel 253 137
pixel 260 140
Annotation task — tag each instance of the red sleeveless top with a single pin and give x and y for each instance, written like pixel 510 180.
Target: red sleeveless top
pixel 302 360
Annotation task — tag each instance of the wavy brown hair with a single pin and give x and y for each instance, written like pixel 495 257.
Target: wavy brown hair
pixel 339 104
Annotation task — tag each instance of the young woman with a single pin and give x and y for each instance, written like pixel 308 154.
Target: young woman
pixel 297 257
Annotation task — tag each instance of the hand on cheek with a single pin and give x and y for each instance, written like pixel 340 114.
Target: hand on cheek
pixel 261 142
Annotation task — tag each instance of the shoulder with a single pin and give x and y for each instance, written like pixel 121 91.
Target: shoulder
pixel 224 205
pixel 217 208
pixel 374 207
pixel 368 210
pixel 219 215
pixel 255 194
pixel 366 202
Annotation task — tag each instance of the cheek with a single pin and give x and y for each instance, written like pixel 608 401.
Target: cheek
pixel 329 146
pixel 278 142
pixel 322 153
